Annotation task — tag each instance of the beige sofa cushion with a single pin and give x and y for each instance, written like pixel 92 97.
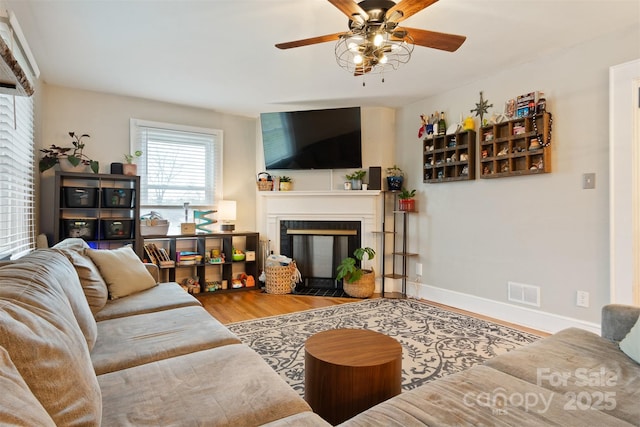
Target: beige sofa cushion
pixel 60 268
pixel 41 334
pixel 19 406
pixel 93 285
pixel 587 363
pixel 165 296
pixel 133 340
pixel 225 386
pixel 123 271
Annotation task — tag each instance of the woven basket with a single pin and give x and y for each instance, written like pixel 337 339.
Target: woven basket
pixel 280 279
pixel 362 288
pixel 264 182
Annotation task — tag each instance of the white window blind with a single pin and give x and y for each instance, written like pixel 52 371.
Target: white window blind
pixel 178 164
pixel 17 194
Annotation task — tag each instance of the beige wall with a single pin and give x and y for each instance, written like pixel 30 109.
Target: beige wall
pixel 106 118
pixel 541 230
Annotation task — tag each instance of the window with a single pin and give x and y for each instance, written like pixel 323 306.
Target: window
pixel 179 164
pixel 17 193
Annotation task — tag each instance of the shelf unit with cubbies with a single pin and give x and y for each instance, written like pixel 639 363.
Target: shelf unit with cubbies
pixel 102 209
pixel 448 158
pixel 209 257
pixel 513 148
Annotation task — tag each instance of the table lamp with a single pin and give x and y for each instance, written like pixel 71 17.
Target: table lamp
pixel 227 214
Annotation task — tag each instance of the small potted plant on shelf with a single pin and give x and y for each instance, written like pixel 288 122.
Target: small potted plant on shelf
pixel 395 178
pixel 406 201
pixel 357 282
pixel 69 158
pixel 286 183
pixel 129 168
pixel 356 179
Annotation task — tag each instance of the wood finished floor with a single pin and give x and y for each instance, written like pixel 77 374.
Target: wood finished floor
pixel 240 306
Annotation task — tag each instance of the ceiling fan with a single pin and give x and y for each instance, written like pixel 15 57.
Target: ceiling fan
pixel 374 40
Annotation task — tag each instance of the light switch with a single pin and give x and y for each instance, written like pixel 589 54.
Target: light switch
pixel 589 181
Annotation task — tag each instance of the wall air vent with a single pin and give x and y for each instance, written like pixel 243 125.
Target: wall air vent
pixel 524 294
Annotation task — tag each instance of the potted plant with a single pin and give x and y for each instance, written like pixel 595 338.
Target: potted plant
pixel 129 168
pixel 286 183
pixel 356 179
pixel 406 201
pixel 395 178
pixel 69 158
pixel 357 281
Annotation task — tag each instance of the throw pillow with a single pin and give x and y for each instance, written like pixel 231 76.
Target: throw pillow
pixel 93 285
pixel 123 271
pixel 71 243
pixel 630 345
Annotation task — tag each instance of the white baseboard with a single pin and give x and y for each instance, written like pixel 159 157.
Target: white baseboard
pixel 524 316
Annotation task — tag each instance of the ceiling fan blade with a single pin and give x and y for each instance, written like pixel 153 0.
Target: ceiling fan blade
pixel 312 40
pixel 435 40
pixel 360 71
pixel 406 8
pixel 350 8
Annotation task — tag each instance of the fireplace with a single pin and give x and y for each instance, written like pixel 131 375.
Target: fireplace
pixel 333 212
pixel 318 248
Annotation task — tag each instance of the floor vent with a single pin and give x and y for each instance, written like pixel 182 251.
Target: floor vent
pixel 524 294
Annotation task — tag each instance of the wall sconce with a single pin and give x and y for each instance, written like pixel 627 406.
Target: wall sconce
pixel 227 214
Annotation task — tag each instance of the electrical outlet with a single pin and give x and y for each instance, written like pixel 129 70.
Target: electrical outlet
pixel 588 181
pixel 418 269
pixel 582 299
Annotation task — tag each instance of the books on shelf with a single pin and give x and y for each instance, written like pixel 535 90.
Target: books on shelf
pixel 158 256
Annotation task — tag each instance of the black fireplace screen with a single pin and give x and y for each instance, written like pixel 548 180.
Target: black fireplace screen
pixel 318 247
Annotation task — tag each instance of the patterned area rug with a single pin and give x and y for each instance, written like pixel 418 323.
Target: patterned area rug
pixel 435 342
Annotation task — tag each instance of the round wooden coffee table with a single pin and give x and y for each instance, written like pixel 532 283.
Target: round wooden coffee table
pixel 350 370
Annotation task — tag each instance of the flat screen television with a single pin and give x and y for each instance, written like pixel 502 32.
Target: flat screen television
pixel 312 139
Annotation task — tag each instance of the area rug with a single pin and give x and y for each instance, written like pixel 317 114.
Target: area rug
pixel 436 342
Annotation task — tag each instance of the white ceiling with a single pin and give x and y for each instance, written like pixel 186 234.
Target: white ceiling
pixel 220 54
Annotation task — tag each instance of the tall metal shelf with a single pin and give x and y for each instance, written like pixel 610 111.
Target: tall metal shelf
pixel 394 228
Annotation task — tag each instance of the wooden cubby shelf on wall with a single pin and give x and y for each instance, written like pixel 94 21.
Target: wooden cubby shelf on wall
pixel 512 148
pixel 449 158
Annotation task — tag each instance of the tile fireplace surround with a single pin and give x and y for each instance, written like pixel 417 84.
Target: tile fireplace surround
pixel 345 205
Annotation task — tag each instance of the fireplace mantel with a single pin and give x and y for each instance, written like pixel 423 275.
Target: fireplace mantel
pixel 345 205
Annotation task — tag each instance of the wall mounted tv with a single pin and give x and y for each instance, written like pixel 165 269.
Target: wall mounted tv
pixel 312 139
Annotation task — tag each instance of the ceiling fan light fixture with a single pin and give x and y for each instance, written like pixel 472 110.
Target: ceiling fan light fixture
pixel 378 39
pixel 359 53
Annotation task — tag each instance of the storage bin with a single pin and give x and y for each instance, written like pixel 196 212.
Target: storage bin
pixel 80 197
pixel 116 228
pixel 83 228
pixel 117 197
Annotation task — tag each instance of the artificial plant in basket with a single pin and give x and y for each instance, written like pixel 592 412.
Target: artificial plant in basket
pixel 357 281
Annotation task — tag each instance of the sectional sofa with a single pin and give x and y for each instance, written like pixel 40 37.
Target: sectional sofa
pixel 88 337
pixel 152 356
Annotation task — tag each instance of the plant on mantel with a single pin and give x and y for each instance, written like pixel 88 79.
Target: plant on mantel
pixel 68 157
pixel 356 179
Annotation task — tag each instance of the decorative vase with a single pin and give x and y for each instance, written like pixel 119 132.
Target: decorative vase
pixel 394 183
pixel 356 184
pixel 68 167
pixel 130 169
pixel 363 287
pixel 286 186
pixel 407 205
